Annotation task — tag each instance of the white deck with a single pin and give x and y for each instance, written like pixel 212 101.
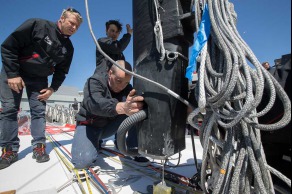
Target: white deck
pixel 29 177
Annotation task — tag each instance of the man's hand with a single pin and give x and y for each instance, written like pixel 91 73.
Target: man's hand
pixel 132 105
pixel 129 29
pixel 45 94
pixel 16 84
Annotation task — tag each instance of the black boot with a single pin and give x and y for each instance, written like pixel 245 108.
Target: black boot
pixel 39 153
pixel 8 157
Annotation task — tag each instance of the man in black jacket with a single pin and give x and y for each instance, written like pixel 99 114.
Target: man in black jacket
pixel 108 100
pixel 111 45
pixel 36 49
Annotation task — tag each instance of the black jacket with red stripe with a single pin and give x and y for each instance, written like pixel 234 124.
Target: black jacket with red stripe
pixel 98 107
pixel 37 49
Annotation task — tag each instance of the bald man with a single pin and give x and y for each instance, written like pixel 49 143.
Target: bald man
pixel 108 100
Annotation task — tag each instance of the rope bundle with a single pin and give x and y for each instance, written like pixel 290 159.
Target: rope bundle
pixel 230 88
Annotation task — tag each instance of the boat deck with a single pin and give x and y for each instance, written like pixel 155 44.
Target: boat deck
pixel 116 174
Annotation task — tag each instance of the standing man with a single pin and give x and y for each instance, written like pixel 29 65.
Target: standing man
pixel 36 49
pixel 111 45
pixel 108 100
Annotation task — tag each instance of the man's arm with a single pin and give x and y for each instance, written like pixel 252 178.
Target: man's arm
pixel 125 40
pixel 98 103
pixel 10 48
pixel 96 99
pixel 58 77
pixel 61 70
pixel 116 47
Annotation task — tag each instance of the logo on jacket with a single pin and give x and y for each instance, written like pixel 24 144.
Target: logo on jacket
pixel 64 50
pixel 48 40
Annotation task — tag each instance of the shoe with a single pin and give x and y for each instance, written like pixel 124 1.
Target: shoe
pixel 141 161
pixel 8 157
pixel 39 153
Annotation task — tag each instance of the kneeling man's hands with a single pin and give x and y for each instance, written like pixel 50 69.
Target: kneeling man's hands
pixel 132 105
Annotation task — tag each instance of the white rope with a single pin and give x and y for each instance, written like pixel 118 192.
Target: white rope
pixel 202 93
pixel 230 92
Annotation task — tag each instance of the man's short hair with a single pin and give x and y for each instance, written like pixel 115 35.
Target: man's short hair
pixel 74 12
pixel 265 62
pixel 128 66
pixel 114 22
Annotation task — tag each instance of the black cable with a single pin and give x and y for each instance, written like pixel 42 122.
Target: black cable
pixel 194 150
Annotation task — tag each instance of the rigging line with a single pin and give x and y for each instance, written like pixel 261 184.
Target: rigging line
pixel 180 186
pixel 69 153
pixel 185 181
pixel 70 179
pixel 99 181
pixel 87 182
pixel 170 92
pixel 158 30
pixel 63 158
pixel 67 133
pixel 240 159
pixel 97 184
pixel 111 157
pixel 79 181
pixel 159 34
pixel 69 164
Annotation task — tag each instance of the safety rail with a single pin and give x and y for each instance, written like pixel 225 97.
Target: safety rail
pixel 61 114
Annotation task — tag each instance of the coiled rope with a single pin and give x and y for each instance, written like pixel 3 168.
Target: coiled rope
pixel 230 91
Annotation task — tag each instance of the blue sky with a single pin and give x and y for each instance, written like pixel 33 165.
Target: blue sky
pixel 264 24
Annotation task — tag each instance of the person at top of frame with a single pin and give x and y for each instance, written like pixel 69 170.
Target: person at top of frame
pixel 111 45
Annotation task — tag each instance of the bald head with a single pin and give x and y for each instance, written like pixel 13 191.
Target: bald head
pixel 118 79
pixel 124 64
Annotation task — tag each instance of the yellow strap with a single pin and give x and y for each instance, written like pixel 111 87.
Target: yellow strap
pixel 63 159
pixel 79 181
pixel 87 182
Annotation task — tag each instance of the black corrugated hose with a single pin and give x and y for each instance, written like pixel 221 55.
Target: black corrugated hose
pixel 126 125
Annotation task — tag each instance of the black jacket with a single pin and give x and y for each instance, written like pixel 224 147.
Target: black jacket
pixel 99 102
pixel 114 49
pixel 37 49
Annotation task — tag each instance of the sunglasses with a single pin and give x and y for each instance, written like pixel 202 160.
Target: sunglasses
pixel 70 9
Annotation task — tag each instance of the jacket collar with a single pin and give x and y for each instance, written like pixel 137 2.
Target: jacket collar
pixel 59 31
